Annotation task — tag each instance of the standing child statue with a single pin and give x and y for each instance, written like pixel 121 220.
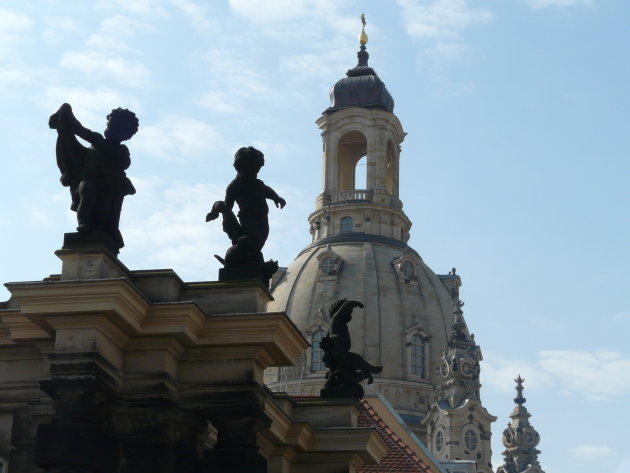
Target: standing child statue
pixel 248 232
pixel 95 175
pixel 345 369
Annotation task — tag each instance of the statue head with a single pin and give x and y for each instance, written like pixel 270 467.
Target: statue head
pixel 122 124
pixel 248 161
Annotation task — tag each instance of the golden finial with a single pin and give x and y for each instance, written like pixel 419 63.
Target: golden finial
pixel 363 38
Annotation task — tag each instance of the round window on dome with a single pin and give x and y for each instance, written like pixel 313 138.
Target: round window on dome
pixel 439 441
pixel 470 440
pixel 329 266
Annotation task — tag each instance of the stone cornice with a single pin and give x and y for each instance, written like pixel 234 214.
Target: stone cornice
pixel 118 310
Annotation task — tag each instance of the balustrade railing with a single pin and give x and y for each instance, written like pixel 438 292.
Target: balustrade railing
pixel 355 194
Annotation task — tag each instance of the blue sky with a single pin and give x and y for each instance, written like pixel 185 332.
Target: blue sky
pixel 515 168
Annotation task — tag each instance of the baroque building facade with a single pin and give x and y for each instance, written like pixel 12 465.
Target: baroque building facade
pixel 412 318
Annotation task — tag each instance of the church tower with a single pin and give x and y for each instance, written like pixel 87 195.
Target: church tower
pixel 458 426
pixel 360 250
pixel 520 439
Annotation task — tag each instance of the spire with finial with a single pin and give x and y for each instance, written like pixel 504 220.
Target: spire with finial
pixel 520 400
pixel 363 37
pixel 520 439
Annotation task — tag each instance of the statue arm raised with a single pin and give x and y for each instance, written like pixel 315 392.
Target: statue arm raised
pixel 70 153
pixel 64 121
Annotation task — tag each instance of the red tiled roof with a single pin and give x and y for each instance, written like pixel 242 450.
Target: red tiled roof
pixel 400 458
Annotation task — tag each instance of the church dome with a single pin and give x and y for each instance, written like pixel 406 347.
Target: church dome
pixel 361 88
pixel 404 326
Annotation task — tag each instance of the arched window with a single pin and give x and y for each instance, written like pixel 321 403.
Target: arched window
pixel 360 173
pixel 418 355
pixel 316 352
pixel 391 171
pixel 408 269
pixel 351 171
pixel 346 224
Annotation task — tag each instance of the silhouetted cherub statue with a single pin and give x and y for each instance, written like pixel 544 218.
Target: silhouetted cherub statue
pixel 95 175
pixel 249 232
pixel 345 369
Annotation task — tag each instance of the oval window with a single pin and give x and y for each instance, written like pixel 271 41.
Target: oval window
pixel 470 440
pixel 439 441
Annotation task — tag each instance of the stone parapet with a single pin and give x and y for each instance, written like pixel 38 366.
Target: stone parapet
pixel 137 367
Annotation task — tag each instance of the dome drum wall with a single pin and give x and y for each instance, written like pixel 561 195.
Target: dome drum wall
pixel 365 217
pixel 396 308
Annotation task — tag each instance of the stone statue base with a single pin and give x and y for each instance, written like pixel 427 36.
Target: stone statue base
pixel 261 272
pixel 92 239
pixel 337 392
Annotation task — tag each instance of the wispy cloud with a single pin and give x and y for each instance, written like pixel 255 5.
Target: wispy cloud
pixel 289 21
pixel 624 466
pixel 591 452
pixel 13 27
pixel 114 33
pixel 126 72
pixel 283 11
pixel 59 28
pixel 139 6
pixel 218 101
pixel 440 19
pixel 621 316
pixel 595 375
pixel 178 138
pixel 22 76
pixel 592 375
pixel 499 373
pixel 559 3
pixel 235 74
pixel 233 83
pixel 103 59
pixel 440 23
pixel 197 13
